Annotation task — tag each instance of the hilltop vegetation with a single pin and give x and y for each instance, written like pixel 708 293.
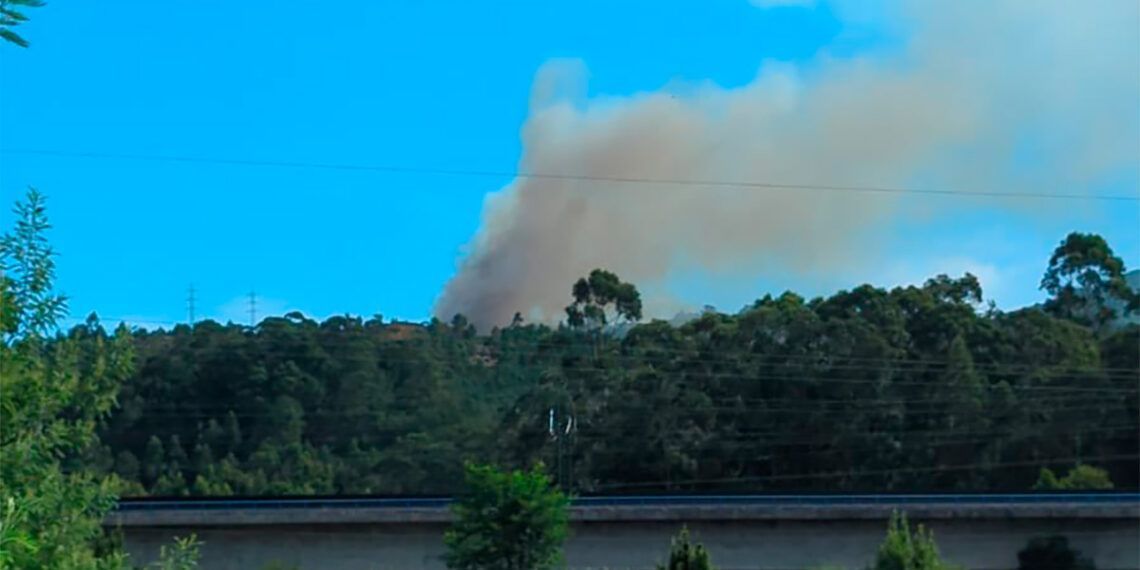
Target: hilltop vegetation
pixel 916 388
pixel 913 388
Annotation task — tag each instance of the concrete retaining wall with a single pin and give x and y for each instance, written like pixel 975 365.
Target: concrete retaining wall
pixel 974 536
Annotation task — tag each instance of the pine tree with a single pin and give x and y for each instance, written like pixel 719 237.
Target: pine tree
pixel 127 466
pixel 154 458
pixel 684 555
pixel 232 430
pixel 203 458
pixel 904 550
pixel 176 455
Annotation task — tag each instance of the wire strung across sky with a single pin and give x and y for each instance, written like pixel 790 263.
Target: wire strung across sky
pixel 692 379
pixel 861 473
pixel 696 379
pixel 690 355
pixel 854 473
pixel 395 169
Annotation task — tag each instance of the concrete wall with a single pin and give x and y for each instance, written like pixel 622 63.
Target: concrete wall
pixel 1114 543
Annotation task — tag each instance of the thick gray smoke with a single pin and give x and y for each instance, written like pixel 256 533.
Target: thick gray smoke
pixel 1011 96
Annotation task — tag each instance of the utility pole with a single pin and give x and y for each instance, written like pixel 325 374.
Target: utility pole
pixel 560 432
pixel 252 309
pixel 190 304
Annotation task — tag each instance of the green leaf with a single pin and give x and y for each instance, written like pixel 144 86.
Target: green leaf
pixel 13 37
pixel 12 17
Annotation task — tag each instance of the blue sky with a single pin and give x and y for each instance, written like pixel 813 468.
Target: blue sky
pixel 433 85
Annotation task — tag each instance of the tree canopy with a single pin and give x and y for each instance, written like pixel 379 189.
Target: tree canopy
pixel 601 299
pixel 507 520
pixel 54 392
pixel 916 388
pixel 1085 280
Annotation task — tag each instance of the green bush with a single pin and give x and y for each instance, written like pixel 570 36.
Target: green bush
pixel 278 565
pixel 904 550
pixel 182 555
pixel 507 520
pixel 684 555
pixel 1052 553
pixel 1081 477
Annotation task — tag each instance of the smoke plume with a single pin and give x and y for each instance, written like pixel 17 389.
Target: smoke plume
pixel 1006 96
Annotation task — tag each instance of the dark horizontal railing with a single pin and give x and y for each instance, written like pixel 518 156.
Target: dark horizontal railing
pixel 223 503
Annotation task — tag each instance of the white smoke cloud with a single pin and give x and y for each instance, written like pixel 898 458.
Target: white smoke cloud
pixel 1010 96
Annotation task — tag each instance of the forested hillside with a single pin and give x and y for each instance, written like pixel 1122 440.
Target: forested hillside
pixel 914 388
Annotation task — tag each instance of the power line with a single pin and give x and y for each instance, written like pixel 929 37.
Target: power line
pixel 106 321
pixel 861 473
pixel 920 406
pixel 325 422
pixel 734 356
pixel 575 177
pixel 851 474
pixel 694 378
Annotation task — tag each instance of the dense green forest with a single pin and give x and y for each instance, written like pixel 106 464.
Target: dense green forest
pixel 731 402
pixel 910 389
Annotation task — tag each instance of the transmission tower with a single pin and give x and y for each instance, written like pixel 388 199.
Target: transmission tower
pixel 190 304
pixel 252 309
pixel 561 430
